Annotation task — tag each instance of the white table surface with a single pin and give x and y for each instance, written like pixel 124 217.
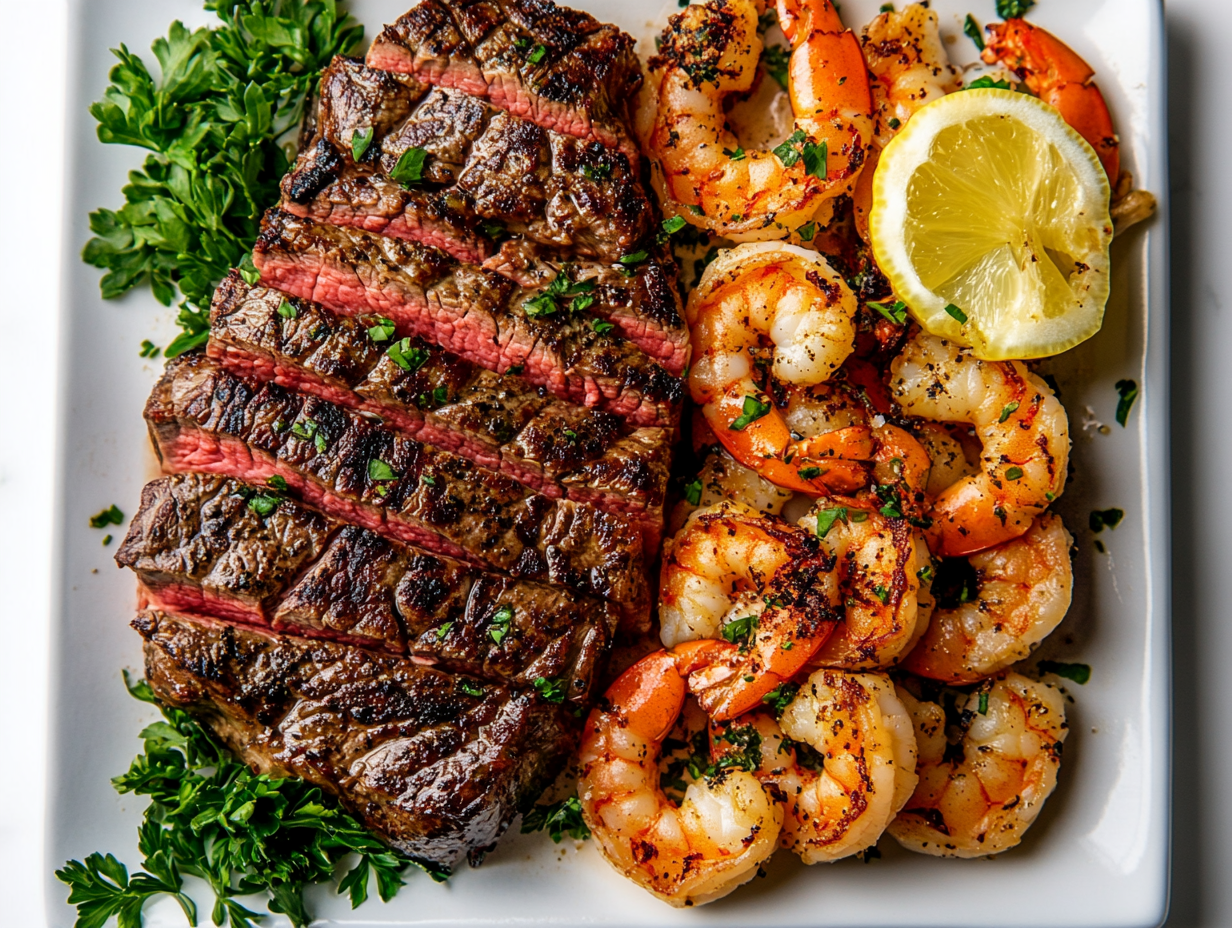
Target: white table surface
pixel 32 84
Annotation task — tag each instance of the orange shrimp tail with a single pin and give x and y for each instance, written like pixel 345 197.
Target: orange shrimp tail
pixel 1059 76
pixel 799 18
pixel 649 695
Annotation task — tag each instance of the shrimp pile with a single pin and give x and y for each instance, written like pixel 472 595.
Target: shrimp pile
pixel 866 552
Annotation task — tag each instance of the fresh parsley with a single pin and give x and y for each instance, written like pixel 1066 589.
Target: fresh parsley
pixel 807 231
pixel 988 83
pixel 382 330
pixel 379 470
pixel 1013 9
pixel 557 819
pixel 361 139
pixel 1008 410
pixel 815 159
pixel 1100 518
pixel 148 349
pixel 775 59
pixel 550 690
pixel 896 312
pixel 788 153
pixel 1079 673
pixel 406 355
pixel 955 313
pixel 109 516
pixel 1127 392
pixel 778 698
pixel 740 631
pixel 693 491
pixel 501 620
pixel 409 170
pixel 213 123
pixel 243 833
pixel 971 29
pixel 752 410
pixel 548 301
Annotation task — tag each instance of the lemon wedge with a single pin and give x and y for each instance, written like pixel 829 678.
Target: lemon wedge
pixel 990 219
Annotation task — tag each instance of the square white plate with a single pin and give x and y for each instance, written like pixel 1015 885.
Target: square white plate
pixel 1099 853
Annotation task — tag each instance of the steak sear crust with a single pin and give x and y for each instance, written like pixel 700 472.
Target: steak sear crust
pixel 436 764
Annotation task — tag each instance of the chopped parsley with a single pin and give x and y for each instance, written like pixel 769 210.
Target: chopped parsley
pixel 287 311
pixel 827 517
pixel 264 503
pixel 428 479
pixel 674 224
pixel 361 138
pixel 809 473
pixel 1013 9
pixel 148 349
pixel 1013 473
pixel 550 690
pixel 882 593
pixel 492 229
pixel 894 122
pixel 983 704
pixel 775 59
pixel 739 631
pixel 1127 391
pixel 815 159
pixel 407 356
pixel 897 313
pixel 1100 518
pixel 971 29
pixel 382 330
pixel 693 491
pixel 500 623
pixel 1008 410
pixel 379 470
pixel 443 631
pixel 537 54
pixel 752 410
pixel 310 430
pixel 547 301
pixel 409 170
pixel 807 231
pixel 597 172
pixel 558 818
pixel 109 516
pixel 737 155
pixel 1079 673
pixel 787 152
pixel 987 83
pixel 602 326
pixel 955 313
pixel 469 688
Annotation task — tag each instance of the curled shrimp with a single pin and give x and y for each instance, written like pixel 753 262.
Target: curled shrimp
pixel 764 585
pixel 841 759
pixel 1057 75
pixel 983 777
pixel 722 477
pixel 688 854
pixel 710 52
pixel 1020 423
pixel 908 68
pixel 879 563
pixel 1024 590
pixel 783 314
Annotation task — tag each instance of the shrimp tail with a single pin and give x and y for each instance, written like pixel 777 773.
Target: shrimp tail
pixel 1059 76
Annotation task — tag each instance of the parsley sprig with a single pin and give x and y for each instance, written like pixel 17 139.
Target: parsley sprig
pixel 243 833
pixel 212 123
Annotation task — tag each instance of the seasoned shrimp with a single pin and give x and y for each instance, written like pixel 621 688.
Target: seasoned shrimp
pixel 778 312
pixel 764 583
pixel 879 561
pixel 951 456
pixel 981 798
pixel 1024 589
pixel 721 478
pixel 841 758
pixel 1021 424
pixel 708 53
pixel 688 854
pixel 908 68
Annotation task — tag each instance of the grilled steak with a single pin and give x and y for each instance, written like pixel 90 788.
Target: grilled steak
pixel 437 764
pixel 488 318
pixel 210 545
pixel 202 418
pixel 497 420
pixel 552 65
pixel 486 173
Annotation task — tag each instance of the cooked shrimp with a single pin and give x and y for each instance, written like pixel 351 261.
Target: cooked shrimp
pixel 777 312
pixel 950 455
pixel 879 562
pixel 1057 75
pixel 981 799
pixel 721 478
pixel 908 68
pixel 1024 589
pixel 765 583
pixel 1023 429
pixel 708 53
pixel 841 758
pixel 688 854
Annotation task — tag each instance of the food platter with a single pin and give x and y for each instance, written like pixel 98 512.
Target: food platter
pixel 1098 855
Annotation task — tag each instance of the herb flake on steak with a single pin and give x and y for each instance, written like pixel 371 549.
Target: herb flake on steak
pixel 499 421
pixel 202 418
pixel 435 763
pixel 484 317
pixel 487 173
pixel 557 67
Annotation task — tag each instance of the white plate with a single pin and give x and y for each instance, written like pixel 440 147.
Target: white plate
pixel 1097 856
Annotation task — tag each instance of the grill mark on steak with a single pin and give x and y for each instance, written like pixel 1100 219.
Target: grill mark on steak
pixel 557 67
pixel 478 315
pixel 197 546
pixel 204 419
pixel 496 420
pixel 483 165
pixel 436 764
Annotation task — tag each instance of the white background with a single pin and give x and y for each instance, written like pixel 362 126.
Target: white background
pixel 32 68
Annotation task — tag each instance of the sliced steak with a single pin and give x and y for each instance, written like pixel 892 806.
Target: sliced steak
pixel 211 545
pixel 487 318
pixel 486 174
pixel 557 67
pixel 202 418
pixel 498 421
pixel 435 763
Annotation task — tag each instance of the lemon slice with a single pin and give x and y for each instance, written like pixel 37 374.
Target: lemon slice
pixel 990 218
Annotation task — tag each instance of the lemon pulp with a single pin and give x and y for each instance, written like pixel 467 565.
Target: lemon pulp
pixel 990 219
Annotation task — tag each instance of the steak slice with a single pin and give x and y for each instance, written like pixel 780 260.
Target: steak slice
pixel 210 545
pixel 489 319
pixel 486 173
pixel 436 764
pixel 498 421
pixel 202 418
pixel 557 67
